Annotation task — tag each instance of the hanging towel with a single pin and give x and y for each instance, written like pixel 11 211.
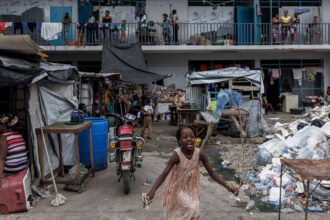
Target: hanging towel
pixel 275 74
pixel 310 74
pixel 51 31
pixel 8 24
pixel 297 73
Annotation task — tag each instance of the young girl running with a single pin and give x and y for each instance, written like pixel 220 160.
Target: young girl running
pixel 181 200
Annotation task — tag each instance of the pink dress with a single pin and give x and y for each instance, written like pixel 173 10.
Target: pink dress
pixel 181 201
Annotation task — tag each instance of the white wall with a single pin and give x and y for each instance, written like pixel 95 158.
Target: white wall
pixel 119 13
pixel 325 11
pixel 155 9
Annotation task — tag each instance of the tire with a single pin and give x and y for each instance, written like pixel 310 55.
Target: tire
pixel 126 180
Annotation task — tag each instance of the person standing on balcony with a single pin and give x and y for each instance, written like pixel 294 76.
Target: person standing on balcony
pixel 276 22
pixel 175 20
pixel 106 20
pixel 144 26
pixel 295 26
pixel 66 27
pixel 91 28
pixel 166 29
pixel 315 30
pixel 286 22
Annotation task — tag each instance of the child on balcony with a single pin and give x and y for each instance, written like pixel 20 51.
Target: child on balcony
pixel 166 28
pixel 123 30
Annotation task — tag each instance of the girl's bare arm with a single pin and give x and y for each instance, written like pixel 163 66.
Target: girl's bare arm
pixel 159 181
pixel 212 173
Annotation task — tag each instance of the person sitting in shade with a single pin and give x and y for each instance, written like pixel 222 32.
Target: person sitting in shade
pixel 13 153
pixel 267 105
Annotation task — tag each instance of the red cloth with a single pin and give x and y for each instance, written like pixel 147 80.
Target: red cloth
pixel 2 27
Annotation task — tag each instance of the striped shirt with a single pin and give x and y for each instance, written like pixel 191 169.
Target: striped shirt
pixel 16 160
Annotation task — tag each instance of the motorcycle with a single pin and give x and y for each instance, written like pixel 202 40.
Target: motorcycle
pixel 128 148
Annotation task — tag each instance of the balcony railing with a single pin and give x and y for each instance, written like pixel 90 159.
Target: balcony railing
pixel 56 34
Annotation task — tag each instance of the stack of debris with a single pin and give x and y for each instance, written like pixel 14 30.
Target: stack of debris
pixel 306 138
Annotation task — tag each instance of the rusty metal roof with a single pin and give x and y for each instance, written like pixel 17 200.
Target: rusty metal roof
pixel 309 169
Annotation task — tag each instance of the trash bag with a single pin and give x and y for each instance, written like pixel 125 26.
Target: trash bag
pixel 320 193
pixel 318 123
pixel 264 156
pixel 301 126
pixel 224 96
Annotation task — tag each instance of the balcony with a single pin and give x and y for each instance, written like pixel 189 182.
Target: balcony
pixel 153 37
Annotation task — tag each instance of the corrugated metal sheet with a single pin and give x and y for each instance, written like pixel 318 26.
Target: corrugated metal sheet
pixel 194 95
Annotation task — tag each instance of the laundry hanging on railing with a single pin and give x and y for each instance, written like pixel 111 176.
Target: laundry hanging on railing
pixel 51 31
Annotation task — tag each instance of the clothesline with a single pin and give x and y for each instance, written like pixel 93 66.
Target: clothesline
pixel 286 68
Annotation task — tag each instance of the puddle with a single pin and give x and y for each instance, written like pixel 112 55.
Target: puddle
pixel 214 157
pixel 229 175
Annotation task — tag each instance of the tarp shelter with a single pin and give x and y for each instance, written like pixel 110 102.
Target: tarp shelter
pixel 221 75
pixel 253 106
pixel 51 91
pixel 127 60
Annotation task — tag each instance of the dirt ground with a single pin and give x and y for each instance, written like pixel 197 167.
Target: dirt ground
pixel 104 197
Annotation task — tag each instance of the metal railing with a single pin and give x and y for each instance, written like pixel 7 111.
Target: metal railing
pixel 56 34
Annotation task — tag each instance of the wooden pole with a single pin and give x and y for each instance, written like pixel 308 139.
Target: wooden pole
pixel 29 133
pixel 280 201
pixel 306 199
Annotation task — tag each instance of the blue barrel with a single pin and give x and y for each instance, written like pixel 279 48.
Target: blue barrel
pixel 100 143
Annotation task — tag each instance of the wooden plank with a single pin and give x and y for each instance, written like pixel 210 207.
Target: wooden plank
pixel 246 88
pixel 41 157
pixel 61 127
pixel 238 125
pixel 59 138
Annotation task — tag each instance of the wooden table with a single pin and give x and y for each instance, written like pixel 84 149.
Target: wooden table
pixel 187 116
pixel 233 114
pixel 62 128
pixel 304 169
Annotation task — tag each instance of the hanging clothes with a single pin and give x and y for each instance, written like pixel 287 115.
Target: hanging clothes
pixel 287 78
pixel 2 28
pixel 51 31
pixel 297 73
pixel 310 74
pixel 275 74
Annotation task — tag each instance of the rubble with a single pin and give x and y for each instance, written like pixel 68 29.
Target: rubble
pixel 284 139
pixel 305 138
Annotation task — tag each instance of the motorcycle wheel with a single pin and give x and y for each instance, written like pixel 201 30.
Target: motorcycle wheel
pixel 126 180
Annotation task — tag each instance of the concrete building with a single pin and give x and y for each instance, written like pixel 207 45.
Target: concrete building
pixel 212 34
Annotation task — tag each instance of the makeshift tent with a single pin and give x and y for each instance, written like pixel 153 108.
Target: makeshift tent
pixel 221 75
pixel 51 92
pixel 129 62
pixel 253 106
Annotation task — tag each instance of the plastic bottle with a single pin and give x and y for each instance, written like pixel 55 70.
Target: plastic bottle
pixel 267 181
pixel 250 205
pixel 315 209
pixel 298 207
pixel 287 210
pixel 261 187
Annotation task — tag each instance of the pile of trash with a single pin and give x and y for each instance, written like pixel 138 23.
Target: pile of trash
pixel 306 138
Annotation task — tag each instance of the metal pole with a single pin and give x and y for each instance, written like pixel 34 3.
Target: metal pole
pixel 271 21
pixel 306 199
pixel 280 201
